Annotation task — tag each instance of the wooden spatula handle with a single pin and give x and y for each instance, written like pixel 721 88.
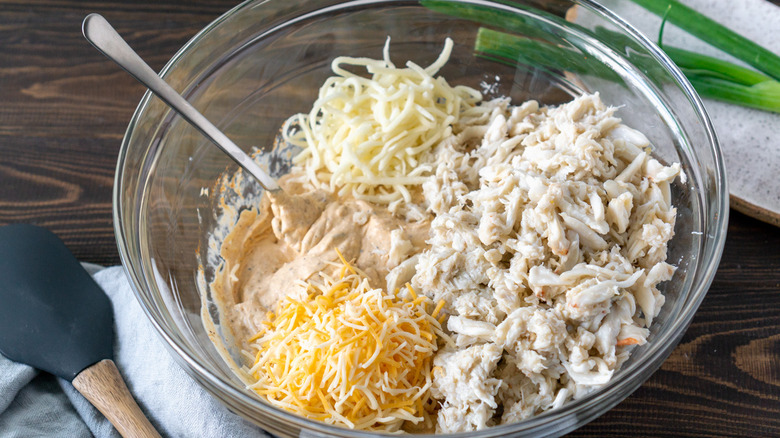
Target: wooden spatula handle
pixel 104 387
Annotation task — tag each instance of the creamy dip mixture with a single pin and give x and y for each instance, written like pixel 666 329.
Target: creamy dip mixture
pixel 292 236
pixel 543 230
pixel 538 233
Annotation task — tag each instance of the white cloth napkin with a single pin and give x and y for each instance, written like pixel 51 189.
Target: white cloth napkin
pixel 36 404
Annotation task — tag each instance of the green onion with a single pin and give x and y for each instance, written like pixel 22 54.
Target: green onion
pixel 703 65
pixel 715 34
pixel 490 16
pixel 764 95
pixel 503 46
pixel 710 77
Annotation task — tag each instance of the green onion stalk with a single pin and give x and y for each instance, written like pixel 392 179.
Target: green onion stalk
pixel 715 34
pixel 711 77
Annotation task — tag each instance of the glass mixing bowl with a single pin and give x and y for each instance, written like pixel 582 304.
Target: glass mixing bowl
pixel 265 60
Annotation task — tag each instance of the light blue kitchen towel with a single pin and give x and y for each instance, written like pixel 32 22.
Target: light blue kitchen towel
pixel 36 404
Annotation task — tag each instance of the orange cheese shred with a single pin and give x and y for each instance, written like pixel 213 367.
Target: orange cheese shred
pixel 349 354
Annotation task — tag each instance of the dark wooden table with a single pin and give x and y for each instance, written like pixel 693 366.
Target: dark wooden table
pixel 64 109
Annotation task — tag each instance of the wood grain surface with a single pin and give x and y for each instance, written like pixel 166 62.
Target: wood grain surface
pixel 64 109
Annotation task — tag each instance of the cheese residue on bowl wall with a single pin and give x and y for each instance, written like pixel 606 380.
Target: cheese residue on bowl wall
pixel 348 354
pixel 366 136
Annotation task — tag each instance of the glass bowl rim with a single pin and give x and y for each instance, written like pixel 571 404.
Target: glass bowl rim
pixel 712 248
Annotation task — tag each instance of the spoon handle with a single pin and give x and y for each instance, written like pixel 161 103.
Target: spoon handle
pixel 105 38
pixel 104 387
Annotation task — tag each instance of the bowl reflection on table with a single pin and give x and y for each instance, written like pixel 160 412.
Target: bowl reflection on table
pixel 263 61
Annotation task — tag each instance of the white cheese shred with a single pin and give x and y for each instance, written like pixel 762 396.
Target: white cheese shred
pixel 367 136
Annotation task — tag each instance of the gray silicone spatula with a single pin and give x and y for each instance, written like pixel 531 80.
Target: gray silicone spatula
pixel 54 317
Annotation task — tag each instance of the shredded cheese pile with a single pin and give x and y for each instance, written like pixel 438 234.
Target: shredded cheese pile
pixel 367 136
pixel 349 354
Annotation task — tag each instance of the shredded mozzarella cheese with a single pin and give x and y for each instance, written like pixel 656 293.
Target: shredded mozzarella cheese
pixel 349 354
pixel 367 136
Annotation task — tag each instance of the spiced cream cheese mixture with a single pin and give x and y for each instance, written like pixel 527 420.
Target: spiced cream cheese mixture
pixel 437 262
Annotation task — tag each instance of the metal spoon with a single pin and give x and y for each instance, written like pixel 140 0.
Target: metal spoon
pixel 106 39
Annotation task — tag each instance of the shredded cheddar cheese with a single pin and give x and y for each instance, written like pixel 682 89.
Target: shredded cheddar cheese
pixel 366 137
pixel 349 354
